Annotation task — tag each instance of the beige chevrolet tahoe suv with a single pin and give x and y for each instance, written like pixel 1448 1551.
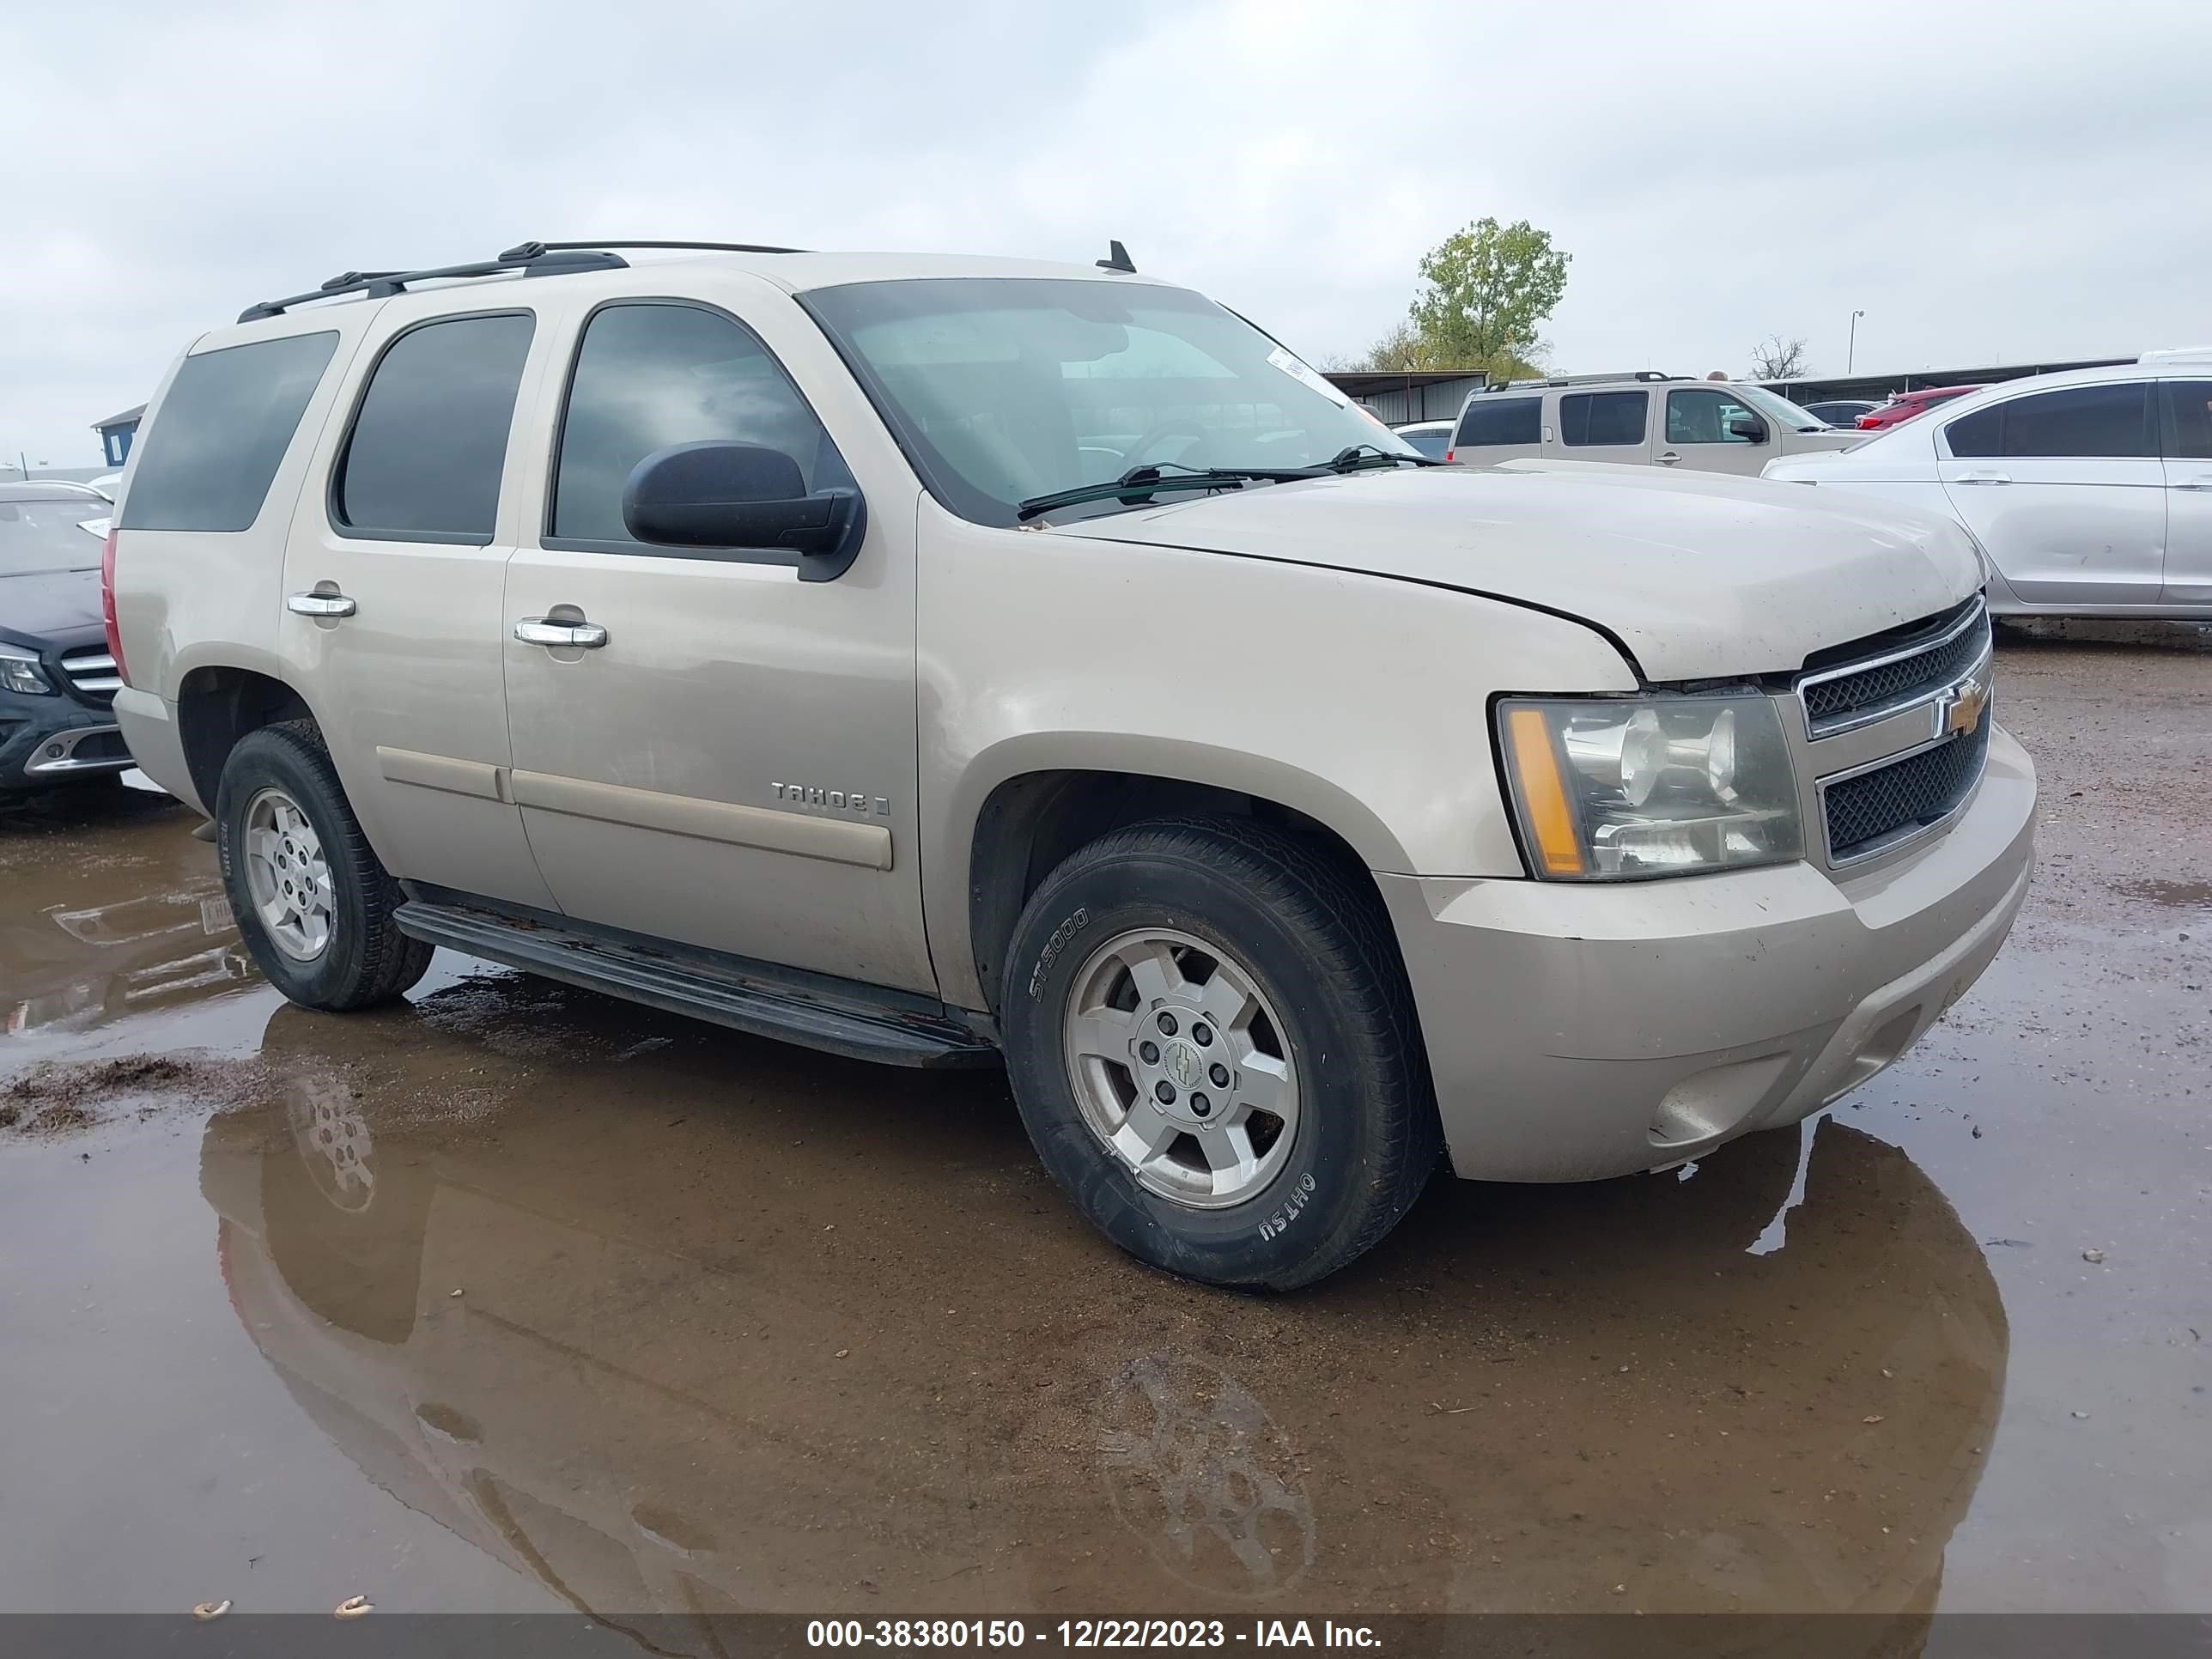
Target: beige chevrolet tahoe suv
pixel 937 659
pixel 1644 419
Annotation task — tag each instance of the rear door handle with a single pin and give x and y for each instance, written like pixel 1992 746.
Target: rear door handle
pixel 1666 458
pixel 1981 478
pixel 320 604
pixel 2204 482
pixel 536 631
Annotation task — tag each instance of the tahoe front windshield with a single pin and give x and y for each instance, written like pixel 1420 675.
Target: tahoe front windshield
pixel 1001 389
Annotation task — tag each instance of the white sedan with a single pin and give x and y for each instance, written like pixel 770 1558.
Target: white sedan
pixel 2090 491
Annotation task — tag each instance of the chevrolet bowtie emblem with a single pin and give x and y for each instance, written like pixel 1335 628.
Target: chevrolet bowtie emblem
pixel 1963 712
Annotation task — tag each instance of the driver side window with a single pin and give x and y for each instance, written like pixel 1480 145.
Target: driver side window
pixel 656 373
pixel 1701 417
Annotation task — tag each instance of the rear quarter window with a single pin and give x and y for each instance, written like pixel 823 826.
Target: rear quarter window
pixel 214 443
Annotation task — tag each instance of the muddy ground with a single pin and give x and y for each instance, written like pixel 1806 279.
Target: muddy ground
pixel 516 1297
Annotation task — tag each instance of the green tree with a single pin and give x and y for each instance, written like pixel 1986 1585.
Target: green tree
pixel 1486 288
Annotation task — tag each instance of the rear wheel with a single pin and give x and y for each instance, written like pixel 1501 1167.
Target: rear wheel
pixel 1214 1051
pixel 313 903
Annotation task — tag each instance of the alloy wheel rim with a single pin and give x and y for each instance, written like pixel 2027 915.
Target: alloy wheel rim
pixel 1182 1067
pixel 287 877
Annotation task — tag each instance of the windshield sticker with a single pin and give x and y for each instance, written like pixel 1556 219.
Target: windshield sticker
pixel 1304 376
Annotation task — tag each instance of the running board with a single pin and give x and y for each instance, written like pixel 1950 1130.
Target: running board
pixel 744 1002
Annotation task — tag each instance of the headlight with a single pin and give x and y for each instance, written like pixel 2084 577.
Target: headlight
pixel 19 672
pixel 1609 789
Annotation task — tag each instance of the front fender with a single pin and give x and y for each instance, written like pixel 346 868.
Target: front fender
pixel 1358 700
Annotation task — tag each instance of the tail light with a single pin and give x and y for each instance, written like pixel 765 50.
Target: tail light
pixel 1448 454
pixel 108 607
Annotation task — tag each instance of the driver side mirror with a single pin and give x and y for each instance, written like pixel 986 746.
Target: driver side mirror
pixel 719 494
pixel 1746 429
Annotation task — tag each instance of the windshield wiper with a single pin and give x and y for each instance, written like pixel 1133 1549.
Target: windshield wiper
pixel 1352 457
pixel 1140 482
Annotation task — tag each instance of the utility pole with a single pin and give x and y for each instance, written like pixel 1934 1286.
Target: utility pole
pixel 1851 351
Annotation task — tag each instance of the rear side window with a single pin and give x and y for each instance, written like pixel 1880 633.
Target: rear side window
pixel 1978 435
pixel 1501 421
pixel 651 375
pixel 1601 417
pixel 215 442
pixel 423 460
pixel 2080 422
pixel 1430 441
pixel 2188 419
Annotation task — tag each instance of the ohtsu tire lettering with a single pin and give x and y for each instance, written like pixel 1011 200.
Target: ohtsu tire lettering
pixel 1277 1223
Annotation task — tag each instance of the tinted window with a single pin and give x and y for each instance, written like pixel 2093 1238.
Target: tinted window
pixel 1432 441
pixel 1601 417
pixel 2080 420
pixel 207 457
pixel 651 375
pixel 1500 420
pixel 2188 419
pixel 1702 417
pixel 1975 436
pixel 427 447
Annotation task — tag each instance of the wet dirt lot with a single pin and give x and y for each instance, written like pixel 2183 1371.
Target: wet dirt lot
pixel 518 1298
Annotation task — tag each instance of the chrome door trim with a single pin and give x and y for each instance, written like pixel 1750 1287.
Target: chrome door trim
pixel 837 840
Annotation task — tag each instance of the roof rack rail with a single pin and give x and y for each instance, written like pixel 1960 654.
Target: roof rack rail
pixel 531 258
pixel 383 284
pixel 1643 374
pixel 538 250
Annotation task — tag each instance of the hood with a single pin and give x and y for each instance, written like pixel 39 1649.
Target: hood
pixel 1698 575
pixel 35 605
pixel 1826 442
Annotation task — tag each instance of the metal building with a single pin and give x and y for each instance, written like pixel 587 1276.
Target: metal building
pixel 1398 396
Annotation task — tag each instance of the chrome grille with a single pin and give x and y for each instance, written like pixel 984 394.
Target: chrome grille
pixel 1916 665
pixel 92 676
pixel 1868 810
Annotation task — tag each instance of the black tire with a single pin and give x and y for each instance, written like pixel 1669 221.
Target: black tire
pixel 1312 934
pixel 368 959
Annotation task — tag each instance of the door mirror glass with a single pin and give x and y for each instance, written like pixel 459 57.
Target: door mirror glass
pixel 1748 428
pixel 718 493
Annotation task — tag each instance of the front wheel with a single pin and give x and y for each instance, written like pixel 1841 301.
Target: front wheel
pixel 1214 1051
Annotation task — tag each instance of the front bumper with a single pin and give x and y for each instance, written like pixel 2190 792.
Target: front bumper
pixel 1581 1031
pixel 47 741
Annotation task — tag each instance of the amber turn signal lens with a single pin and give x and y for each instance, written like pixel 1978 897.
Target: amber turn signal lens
pixel 1543 793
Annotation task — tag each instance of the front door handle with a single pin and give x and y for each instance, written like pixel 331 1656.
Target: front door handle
pixel 536 631
pixel 320 604
pixel 1981 478
pixel 2204 482
pixel 1666 458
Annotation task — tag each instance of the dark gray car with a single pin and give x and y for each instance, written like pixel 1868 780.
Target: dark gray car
pixel 56 676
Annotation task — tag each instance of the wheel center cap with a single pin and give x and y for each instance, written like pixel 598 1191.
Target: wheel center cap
pixel 1183 1066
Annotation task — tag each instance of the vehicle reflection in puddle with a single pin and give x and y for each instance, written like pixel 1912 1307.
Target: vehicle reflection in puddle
pixel 699 1324
pixel 87 940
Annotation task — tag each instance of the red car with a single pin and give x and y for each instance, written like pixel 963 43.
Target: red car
pixel 1905 405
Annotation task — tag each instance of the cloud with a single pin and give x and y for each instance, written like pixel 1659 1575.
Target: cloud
pixel 1986 183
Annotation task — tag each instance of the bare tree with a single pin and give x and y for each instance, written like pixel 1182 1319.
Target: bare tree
pixel 1776 359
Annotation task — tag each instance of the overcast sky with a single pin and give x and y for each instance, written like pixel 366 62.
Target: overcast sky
pixel 1994 182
